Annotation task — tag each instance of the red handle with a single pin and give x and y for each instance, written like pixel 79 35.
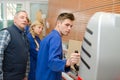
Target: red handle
pixel 79 78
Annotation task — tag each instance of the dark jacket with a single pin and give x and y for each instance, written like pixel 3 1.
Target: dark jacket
pixel 15 55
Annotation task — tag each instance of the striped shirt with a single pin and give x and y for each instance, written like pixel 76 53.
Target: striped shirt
pixel 4 40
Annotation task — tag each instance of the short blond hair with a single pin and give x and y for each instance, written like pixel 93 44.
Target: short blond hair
pixel 35 23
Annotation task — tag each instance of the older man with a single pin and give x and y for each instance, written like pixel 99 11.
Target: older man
pixel 14 49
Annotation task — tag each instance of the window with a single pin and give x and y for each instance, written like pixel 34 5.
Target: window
pixel 1 15
pixel 7 11
pixel 12 8
pixel 35 7
pixel 9 7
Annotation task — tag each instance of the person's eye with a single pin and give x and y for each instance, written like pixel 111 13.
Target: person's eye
pixel 67 24
pixel 71 26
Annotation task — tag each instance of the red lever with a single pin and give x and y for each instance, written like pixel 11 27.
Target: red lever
pixel 79 78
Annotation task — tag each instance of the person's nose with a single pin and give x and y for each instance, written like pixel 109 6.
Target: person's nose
pixel 69 27
pixel 25 20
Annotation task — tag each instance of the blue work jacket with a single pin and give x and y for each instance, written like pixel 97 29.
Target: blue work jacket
pixel 33 55
pixel 50 64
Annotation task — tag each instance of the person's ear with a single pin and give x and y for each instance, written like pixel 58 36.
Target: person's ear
pixel 58 22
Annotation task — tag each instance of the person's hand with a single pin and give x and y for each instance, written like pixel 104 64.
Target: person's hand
pixel 74 59
pixel 25 78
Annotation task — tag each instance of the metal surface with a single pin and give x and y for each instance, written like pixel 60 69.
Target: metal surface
pixel 100 52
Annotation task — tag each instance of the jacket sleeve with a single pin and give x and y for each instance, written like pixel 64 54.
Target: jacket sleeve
pixel 55 62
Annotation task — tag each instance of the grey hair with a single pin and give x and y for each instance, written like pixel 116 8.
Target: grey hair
pixel 19 12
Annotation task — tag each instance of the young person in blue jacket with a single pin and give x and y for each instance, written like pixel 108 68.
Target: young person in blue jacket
pixel 34 40
pixel 50 64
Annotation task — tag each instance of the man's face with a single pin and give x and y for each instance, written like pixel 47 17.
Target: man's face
pixel 65 26
pixel 21 20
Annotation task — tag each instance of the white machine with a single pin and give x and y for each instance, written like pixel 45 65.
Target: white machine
pixel 100 51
